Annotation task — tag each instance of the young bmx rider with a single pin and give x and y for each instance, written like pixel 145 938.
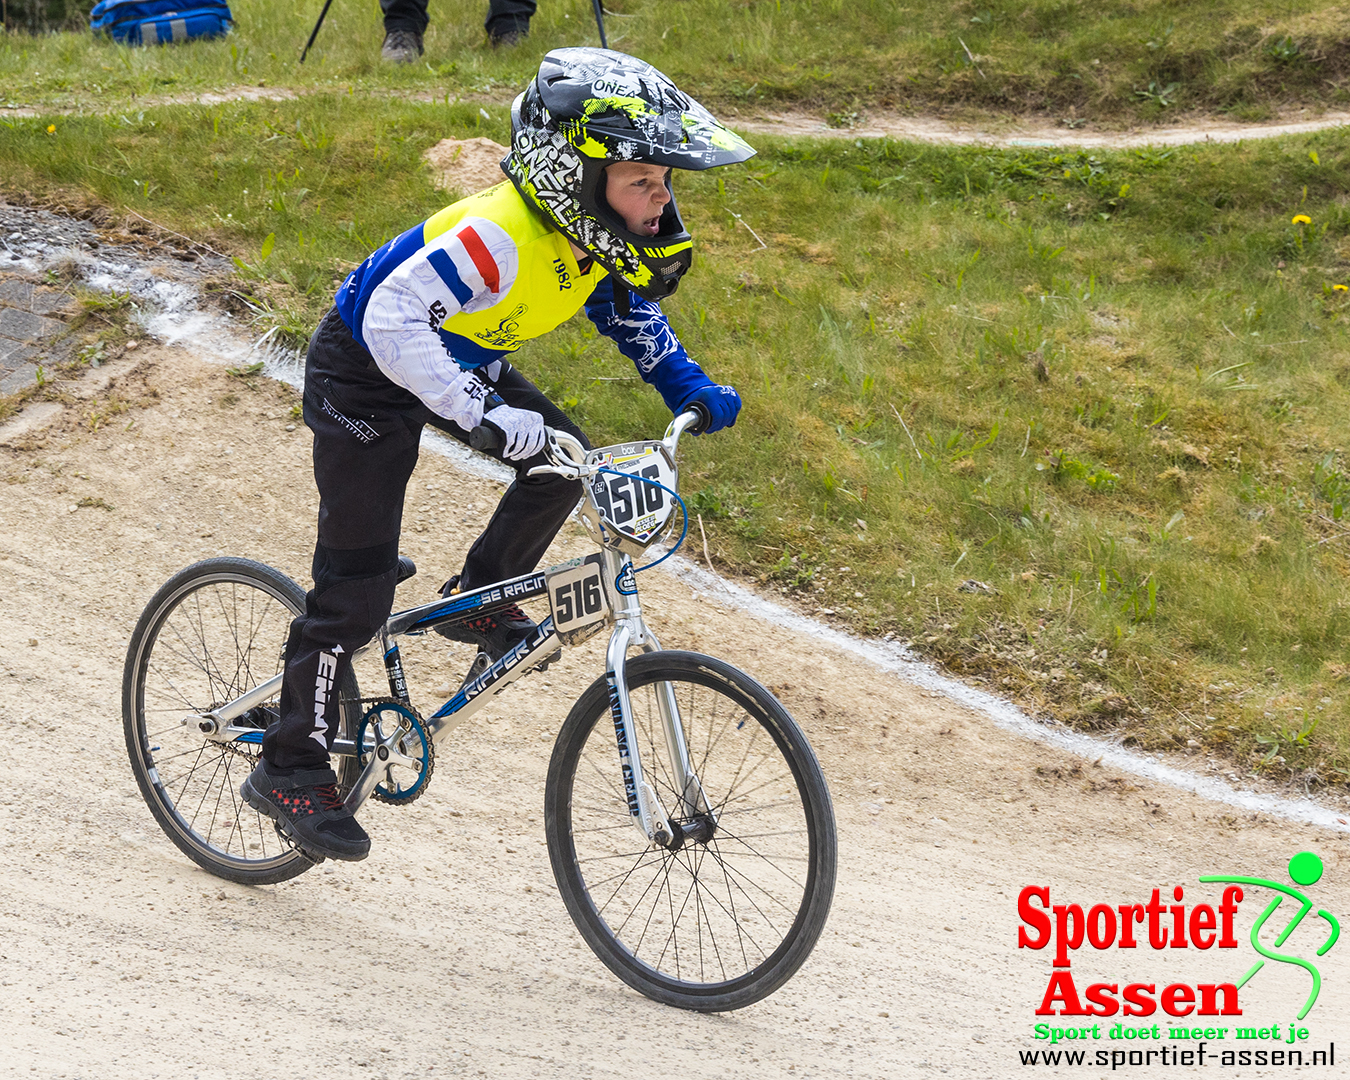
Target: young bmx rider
pixel 422 333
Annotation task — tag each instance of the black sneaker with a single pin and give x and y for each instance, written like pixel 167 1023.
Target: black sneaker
pixel 308 809
pixel 495 634
pixel 401 46
pixel 508 33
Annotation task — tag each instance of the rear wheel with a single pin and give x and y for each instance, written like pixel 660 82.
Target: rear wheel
pixel 727 913
pixel 215 630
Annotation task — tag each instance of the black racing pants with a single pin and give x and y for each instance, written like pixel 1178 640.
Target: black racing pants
pixel 503 16
pixel 366 432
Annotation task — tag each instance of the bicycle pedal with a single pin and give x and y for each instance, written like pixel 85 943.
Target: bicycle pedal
pixel 312 857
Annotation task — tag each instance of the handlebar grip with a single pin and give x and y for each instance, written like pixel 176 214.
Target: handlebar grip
pixel 485 437
pixel 704 417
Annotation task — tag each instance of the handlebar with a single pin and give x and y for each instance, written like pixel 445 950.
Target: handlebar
pixel 697 426
pixel 486 438
pixel 694 420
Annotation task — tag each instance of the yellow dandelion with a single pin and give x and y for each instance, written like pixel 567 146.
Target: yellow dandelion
pixel 51 129
pixel 1302 219
pixel 1340 288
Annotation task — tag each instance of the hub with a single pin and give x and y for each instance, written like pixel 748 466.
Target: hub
pixel 698 830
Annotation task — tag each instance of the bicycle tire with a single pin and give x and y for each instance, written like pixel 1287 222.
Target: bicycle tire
pixel 747 904
pixel 212 631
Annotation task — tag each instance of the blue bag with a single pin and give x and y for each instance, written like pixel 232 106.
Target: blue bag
pixel 160 22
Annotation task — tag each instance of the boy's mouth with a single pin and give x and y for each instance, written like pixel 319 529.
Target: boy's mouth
pixel 652 226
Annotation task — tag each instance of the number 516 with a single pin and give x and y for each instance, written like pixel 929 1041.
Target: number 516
pixel 578 598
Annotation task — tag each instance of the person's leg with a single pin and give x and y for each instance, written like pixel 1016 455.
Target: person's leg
pixel 365 447
pixel 405 15
pixel 533 508
pixel 508 21
pixel 352 596
pixel 405 21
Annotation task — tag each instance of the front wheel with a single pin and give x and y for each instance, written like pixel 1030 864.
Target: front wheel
pixel 724 915
pixel 213 631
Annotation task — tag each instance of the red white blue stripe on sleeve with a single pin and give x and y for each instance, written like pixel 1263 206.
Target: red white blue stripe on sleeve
pixel 475 263
pixel 467 247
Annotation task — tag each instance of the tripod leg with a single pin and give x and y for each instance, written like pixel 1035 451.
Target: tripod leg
pixel 327 4
pixel 600 23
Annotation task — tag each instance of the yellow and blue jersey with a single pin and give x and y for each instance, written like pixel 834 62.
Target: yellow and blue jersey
pixel 467 287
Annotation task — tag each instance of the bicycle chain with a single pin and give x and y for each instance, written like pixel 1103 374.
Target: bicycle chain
pixel 418 732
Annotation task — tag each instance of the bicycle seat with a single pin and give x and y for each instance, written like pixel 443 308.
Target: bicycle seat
pixel 406 569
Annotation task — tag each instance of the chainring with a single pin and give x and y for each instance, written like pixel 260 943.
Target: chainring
pixel 416 744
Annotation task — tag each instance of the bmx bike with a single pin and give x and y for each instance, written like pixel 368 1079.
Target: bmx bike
pixel 698 862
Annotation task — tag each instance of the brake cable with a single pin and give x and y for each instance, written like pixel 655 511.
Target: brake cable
pixel 683 509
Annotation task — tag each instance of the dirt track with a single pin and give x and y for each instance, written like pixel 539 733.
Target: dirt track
pixel 881 123
pixel 449 951
pixel 1020 131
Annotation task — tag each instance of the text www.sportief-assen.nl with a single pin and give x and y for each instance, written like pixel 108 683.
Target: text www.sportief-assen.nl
pixel 1121 1059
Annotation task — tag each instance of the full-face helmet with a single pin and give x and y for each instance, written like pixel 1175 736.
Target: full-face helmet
pixel 588 108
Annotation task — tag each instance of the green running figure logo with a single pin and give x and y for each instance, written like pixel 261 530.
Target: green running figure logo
pixel 1305 868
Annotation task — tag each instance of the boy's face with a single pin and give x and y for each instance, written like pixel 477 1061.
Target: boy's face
pixel 637 192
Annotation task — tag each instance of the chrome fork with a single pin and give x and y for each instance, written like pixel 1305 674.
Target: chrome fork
pixel 649 816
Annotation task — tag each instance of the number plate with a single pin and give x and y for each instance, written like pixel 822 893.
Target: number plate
pixel 577 594
pixel 631 507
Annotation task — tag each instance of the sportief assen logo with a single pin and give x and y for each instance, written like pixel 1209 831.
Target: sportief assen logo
pixel 1199 1009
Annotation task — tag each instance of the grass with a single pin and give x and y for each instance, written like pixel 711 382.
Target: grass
pixel 1072 423
pixel 1116 61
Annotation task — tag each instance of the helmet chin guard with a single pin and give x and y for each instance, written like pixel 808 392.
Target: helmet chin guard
pixel 588 108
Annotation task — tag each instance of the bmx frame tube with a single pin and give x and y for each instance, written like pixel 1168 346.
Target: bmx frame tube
pixel 264 691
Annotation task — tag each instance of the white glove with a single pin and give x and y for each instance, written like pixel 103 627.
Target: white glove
pixel 522 431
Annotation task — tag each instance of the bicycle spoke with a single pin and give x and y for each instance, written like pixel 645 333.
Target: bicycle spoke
pixel 740 933
pixel 607 775
pixel 164 759
pixel 621 877
pixel 663 873
pixel 206 791
pixel 734 873
pixel 632 870
pixel 187 776
pixel 671 938
pixel 210 668
pixel 605 828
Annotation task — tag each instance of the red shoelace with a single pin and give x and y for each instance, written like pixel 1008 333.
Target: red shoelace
pixel 328 795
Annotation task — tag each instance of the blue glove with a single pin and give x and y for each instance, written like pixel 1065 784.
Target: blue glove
pixel 722 403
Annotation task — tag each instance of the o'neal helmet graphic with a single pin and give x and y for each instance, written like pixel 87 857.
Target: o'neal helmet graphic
pixel 587 108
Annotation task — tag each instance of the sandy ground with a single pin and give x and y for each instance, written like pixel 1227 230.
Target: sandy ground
pixel 448 951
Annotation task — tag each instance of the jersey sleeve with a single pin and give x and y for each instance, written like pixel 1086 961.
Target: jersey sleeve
pixel 468 268
pixel 645 336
